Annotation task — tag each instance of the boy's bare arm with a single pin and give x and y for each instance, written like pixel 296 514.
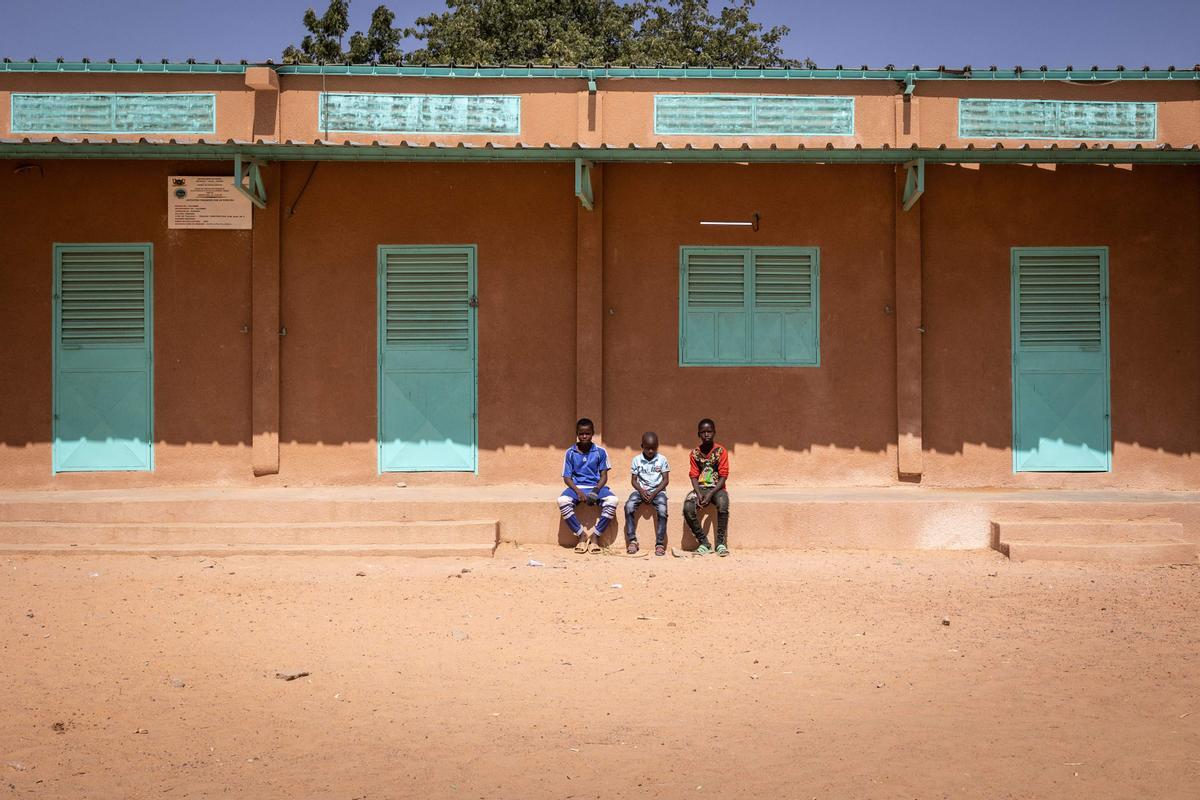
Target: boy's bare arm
pixel 571 485
pixel 603 481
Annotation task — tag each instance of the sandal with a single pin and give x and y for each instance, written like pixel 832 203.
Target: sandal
pixel 703 550
pixel 595 548
pixel 722 550
pixel 581 547
pixel 631 547
pixel 660 549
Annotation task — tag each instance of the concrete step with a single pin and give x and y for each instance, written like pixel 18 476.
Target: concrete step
pixel 1142 541
pixel 761 516
pixel 474 550
pixel 238 510
pixel 282 533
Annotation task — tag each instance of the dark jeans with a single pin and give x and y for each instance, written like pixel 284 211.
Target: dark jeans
pixel 660 523
pixel 692 517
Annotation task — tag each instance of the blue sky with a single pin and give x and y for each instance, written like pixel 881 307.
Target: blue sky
pixel 874 32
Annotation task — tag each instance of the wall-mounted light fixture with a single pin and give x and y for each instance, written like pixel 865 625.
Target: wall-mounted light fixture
pixel 752 224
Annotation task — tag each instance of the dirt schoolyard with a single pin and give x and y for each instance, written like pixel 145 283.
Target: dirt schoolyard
pixel 763 675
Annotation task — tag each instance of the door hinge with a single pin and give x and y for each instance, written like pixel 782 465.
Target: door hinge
pixel 473 302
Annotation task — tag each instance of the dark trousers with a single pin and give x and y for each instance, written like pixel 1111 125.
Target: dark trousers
pixel 692 517
pixel 660 523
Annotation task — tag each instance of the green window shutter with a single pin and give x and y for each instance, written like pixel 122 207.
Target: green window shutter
pixel 715 323
pixel 784 318
pixel 103 298
pixel 103 365
pixel 1060 301
pixel 1060 360
pixel 427 359
pixel 749 306
pixel 427 299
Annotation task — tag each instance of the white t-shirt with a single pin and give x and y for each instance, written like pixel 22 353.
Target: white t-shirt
pixel 650 472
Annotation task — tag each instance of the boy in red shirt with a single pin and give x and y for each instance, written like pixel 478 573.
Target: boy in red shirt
pixel 708 469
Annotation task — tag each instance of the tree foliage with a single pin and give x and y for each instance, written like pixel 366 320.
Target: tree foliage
pixel 327 33
pixel 552 32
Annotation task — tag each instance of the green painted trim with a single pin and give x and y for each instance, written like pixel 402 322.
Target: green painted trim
pixel 914 182
pixel 136 151
pixel 748 302
pixel 212 128
pixel 59 249
pixel 1014 312
pixel 605 73
pixel 738 73
pixel 583 184
pixel 381 253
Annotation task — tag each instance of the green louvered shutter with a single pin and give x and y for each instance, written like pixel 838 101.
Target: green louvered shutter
pixel 427 359
pixel 716 325
pixel 1060 360
pixel 102 354
pixel 784 319
pixel 750 306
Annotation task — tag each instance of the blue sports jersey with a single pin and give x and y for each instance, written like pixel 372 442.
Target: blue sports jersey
pixel 584 468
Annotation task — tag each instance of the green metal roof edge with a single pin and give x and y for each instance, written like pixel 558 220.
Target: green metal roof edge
pixel 601 73
pixel 122 67
pixel 292 152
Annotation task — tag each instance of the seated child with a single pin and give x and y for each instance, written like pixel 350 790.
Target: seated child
pixel 585 472
pixel 651 474
pixel 708 470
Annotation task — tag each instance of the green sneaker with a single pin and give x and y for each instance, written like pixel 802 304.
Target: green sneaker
pixel 722 550
pixel 703 550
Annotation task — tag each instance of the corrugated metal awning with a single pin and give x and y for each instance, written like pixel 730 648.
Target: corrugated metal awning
pixel 326 150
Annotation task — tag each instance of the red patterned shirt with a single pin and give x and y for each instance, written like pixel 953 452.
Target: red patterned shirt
pixel 707 468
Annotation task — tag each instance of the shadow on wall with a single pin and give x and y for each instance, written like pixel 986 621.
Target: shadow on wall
pixel 971 218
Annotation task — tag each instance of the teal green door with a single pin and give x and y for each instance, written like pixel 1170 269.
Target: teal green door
pixel 1060 360
pixel 427 359
pixel 103 369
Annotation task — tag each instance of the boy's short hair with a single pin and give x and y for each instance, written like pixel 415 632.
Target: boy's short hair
pixel 706 421
pixel 584 421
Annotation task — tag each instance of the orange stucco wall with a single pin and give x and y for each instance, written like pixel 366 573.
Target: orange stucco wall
pixel 559 111
pixel 1149 218
pixel 811 425
pixel 832 425
pixel 522 221
pixel 201 302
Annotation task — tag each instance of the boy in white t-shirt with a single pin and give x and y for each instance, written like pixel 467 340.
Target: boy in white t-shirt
pixel 650 474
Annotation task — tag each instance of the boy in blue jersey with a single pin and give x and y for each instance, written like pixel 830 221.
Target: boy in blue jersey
pixel 585 472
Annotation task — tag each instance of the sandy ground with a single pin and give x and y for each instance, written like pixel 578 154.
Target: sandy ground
pixel 764 675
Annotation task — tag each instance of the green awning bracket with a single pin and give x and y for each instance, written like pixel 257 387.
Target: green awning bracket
pixel 914 182
pixel 910 85
pixel 591 79
pixel 583 183
pixel 249 181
